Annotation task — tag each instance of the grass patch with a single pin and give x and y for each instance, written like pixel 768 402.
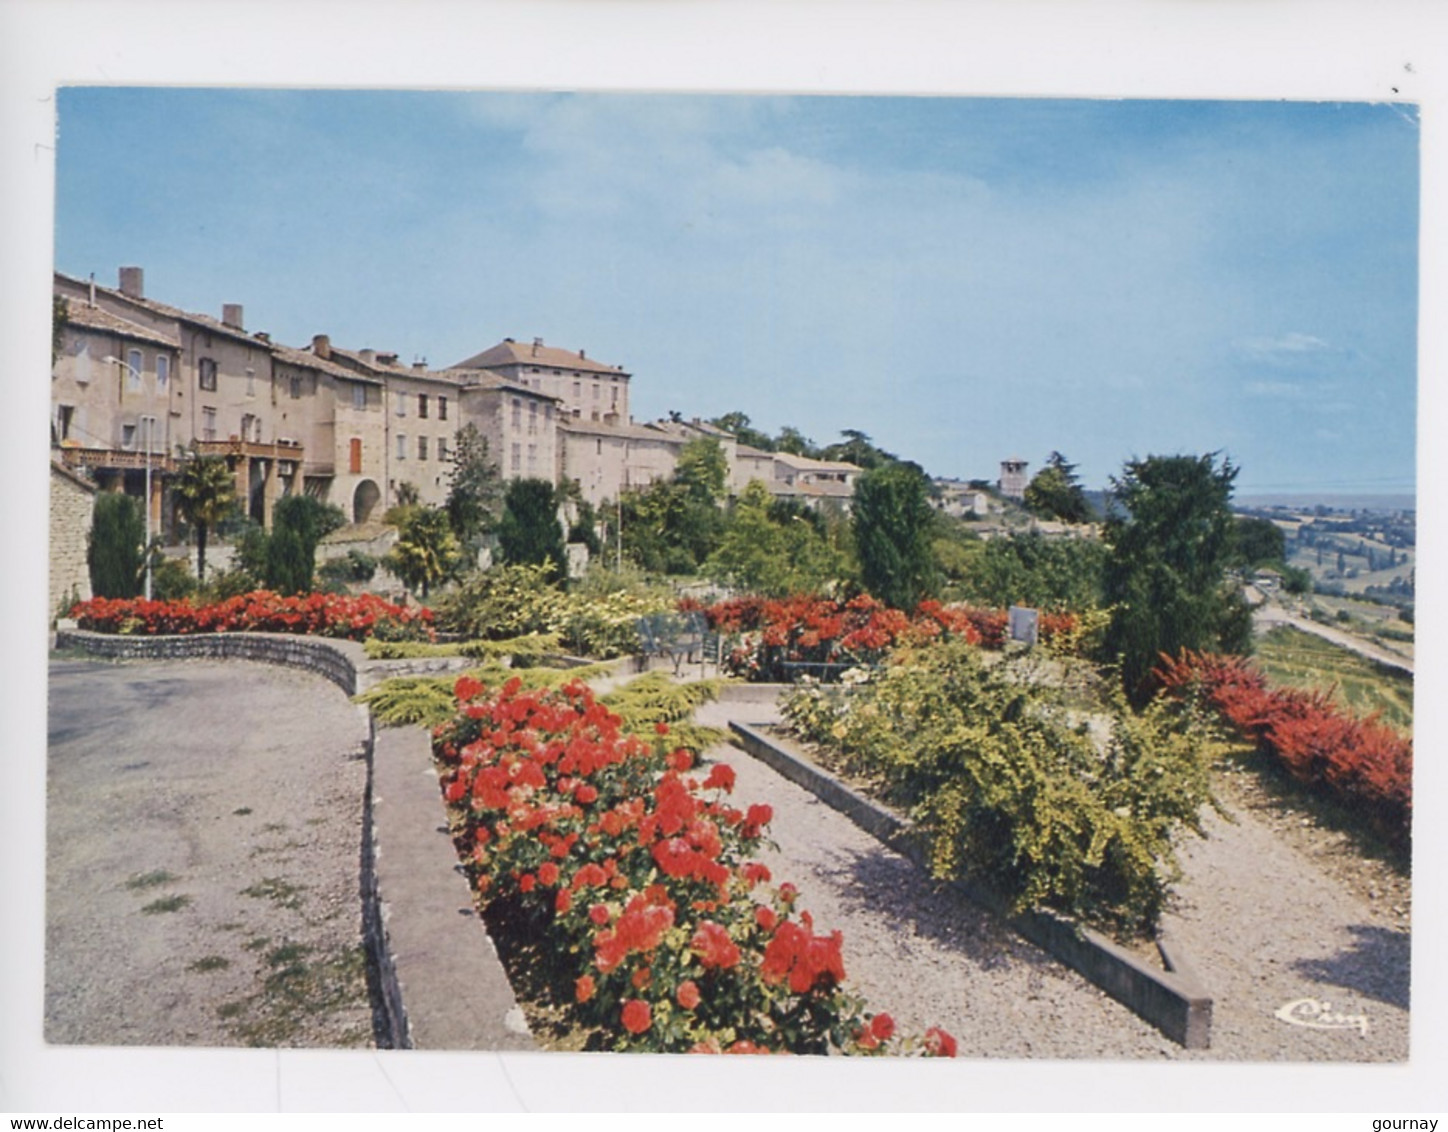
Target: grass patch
pixel 256 943
pixel 280 892
pixel 1294 659
pixel 152 879
pixel 242 812
pixel 300 990
pixel 166 904
pixel 210 963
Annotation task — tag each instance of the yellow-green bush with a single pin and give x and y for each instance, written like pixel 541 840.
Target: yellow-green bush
pixel 1046 804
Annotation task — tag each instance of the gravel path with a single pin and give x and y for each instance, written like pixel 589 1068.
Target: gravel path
pixel 203 840
pixel 922 952
pixel 1263 927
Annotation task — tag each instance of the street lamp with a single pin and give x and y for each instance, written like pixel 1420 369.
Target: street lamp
pixel 150 426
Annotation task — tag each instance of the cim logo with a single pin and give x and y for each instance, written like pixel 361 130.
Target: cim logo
pixel 1317 1015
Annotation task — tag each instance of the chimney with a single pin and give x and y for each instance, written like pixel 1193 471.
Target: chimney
pixel 536 343
pixel 368 355
pixel 321 346
pixel 93 289
pixel 582 355
pixel 262 336
pixel 387 359
pixel 133 282
pixel 420 364
pixel 231 315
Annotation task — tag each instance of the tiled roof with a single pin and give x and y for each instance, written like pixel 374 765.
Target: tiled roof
pixel 806 464
pixel 511 353
pixel 94 318
pixel 620 431
pixel 206 322
pixel 308 360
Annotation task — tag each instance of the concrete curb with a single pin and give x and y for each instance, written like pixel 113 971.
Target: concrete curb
pixel 451 989
pixel 1173 1000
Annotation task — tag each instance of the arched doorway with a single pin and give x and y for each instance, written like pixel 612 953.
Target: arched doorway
pixel 364 501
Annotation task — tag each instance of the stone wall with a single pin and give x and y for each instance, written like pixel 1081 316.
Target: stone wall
pixel 336 660
pixel 72 502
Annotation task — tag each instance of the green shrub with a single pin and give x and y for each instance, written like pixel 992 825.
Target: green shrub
pixel 1047 803
pixel 172 580
pixel 116 552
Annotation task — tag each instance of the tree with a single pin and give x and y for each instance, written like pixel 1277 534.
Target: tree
pixel 116 555
pixel 475 487
pixel 774 551
pixel 893 522
pixel 1260 541
pixel 205 492
pixel 703 470
pixel 1055 492
pixel 858 449
pixel 426 550
pixel 737 424
pixel 791 440
pixel 288 567
pixel 529 532
pixel 1165 574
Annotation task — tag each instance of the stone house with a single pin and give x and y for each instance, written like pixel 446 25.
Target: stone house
pixel 72 506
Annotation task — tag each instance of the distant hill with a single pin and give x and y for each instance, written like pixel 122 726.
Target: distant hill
pixel 1306 501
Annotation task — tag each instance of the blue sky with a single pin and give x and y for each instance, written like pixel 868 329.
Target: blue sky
pixel 964 279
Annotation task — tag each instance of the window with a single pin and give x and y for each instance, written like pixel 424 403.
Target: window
pixel 517 458
pixel 599 450
pixel 577 390
pixel 208 424
pixel 532 459
pixel 134 362
pixel 422 405
pixel 532 417
pixel 206 374
pixel 401 446
pixel 355 455
pixel 422 448
pixel 64 416
pixel 163 371
pixel 595 391
pixel 296 387
pixel 442 409
pixel 401 405
pixel 148 433
pixel 359 395
pixel 517 413
pixel 250 380
pixel 442 448
pixel 128 436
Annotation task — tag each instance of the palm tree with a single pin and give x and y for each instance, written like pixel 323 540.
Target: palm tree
pixel 205 491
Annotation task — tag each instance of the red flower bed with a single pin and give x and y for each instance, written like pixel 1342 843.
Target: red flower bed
pixel 805 630
pixel 1362 762
pixel 326 615
pixel 635 873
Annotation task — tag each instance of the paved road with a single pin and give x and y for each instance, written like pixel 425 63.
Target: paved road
pixel 203 838
pixel 1265 617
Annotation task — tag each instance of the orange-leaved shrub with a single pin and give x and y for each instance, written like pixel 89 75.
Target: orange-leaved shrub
pixel 1363 763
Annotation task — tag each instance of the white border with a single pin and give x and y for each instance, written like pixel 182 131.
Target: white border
pixel 1390 50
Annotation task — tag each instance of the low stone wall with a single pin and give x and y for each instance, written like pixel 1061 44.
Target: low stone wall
pixel 1173 1000
pixel 336 660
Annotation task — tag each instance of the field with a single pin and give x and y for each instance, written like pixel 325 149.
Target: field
pixel 1296 659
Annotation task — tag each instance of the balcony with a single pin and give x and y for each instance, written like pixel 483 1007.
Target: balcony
pixel 281 450
pixel 76 458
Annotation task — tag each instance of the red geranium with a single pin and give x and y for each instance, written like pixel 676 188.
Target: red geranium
pixel 636 1016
